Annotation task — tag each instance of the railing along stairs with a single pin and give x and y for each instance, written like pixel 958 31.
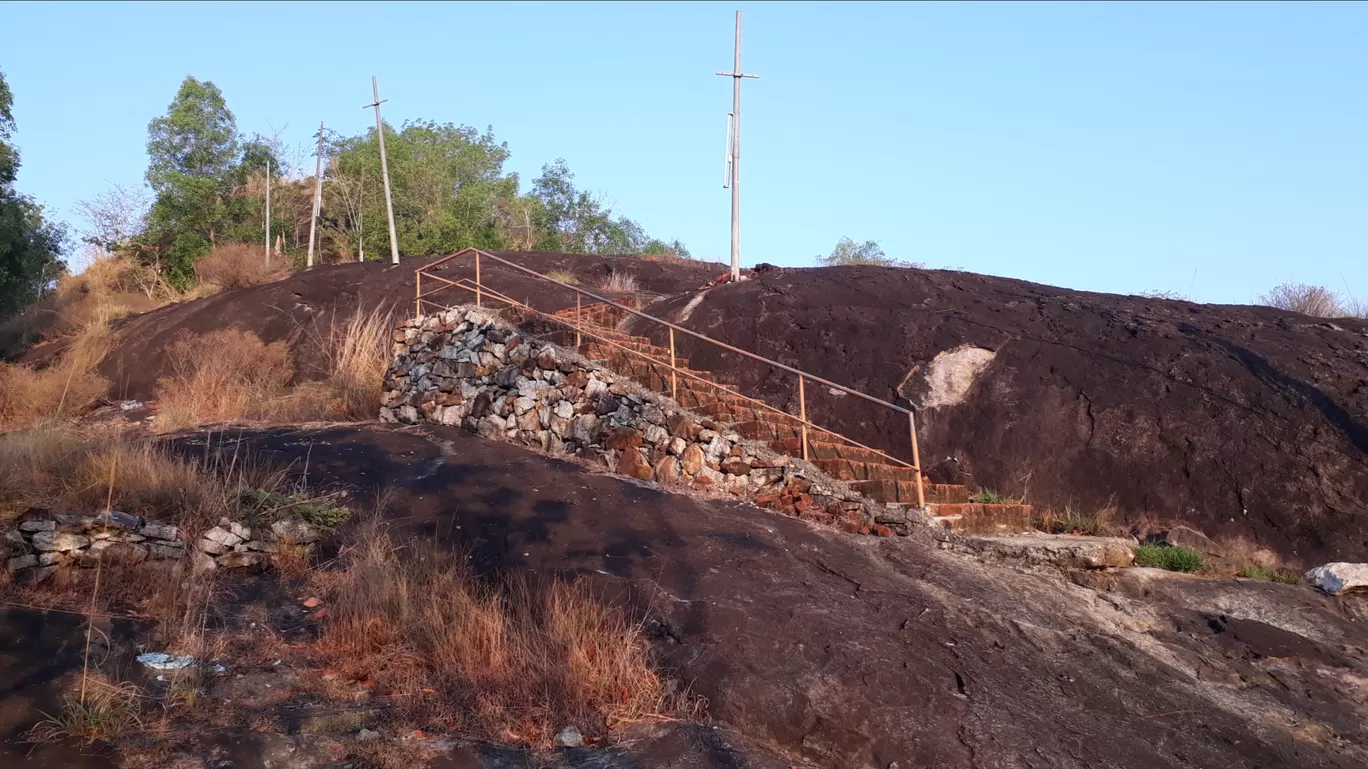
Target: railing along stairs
pixel 586 322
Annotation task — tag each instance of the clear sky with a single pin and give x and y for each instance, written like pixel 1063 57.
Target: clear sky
pixel 1219 148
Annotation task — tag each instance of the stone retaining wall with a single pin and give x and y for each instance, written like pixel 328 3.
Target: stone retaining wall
pixel 465 367
pixel 42 541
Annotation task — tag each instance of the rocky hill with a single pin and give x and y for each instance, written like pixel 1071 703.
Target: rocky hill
pixel 1247 422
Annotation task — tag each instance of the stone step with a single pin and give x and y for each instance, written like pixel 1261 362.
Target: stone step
pixel 905 492
pixel 848 470
pixel 978 518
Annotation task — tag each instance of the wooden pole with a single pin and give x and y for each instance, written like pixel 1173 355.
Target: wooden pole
pixel 384 168
pixel 802 413
pixel 318 195
pixel 916 459
pixel 674 375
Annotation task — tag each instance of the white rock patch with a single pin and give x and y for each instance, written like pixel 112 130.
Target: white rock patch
pixel 946 381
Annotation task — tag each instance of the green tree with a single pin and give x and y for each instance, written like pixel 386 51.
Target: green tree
pixel 578 221
pixel 848 252
pixel 193 161
pixel 30 246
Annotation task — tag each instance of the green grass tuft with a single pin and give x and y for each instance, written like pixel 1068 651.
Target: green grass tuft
pixel 1271 575
pixel 1169 557
pixel 990 497
pixel 1072 521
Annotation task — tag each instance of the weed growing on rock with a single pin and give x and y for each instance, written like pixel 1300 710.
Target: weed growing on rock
pixel 318 511
pixel 990 497
pixel 1169 557
pixel 1251 571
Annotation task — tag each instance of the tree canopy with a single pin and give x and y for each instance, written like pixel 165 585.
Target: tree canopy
pixel 848 252
pixel 30 245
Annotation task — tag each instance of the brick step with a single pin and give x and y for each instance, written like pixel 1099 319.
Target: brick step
pixel 978 518
pixel 848 470
pixel 826 449
pixel 732 413
pixel 905 492
pixel 766 430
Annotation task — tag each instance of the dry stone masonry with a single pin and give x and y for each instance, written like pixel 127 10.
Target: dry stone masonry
pixel 43 541
pixel 465 367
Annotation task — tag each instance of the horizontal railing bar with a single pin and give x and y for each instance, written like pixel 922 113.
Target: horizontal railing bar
pixel 667 324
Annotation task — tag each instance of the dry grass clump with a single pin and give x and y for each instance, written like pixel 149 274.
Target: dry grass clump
pixel 63 389
pixel 358 352
pixel 1317 301
pixel 1077 522
pixel 511 663
pixel 233 265
pixel 59 469
pixel 107 711
pixel 564 276
pixel 221 376
pixel 618 282
pixel 228 375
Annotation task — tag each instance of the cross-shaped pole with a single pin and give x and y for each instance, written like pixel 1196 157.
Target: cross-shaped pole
pixel 734 156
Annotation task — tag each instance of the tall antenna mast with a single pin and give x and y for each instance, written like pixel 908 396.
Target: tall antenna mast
pixel 734 155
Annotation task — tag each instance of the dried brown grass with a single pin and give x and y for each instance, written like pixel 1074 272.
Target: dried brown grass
pixel 229 375
pixel 511 663
pixel 57 468
pixel 234 265
pixel 67 387
pixel 619 283
pixel 222 376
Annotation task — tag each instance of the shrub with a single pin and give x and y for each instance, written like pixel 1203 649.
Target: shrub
pixel 506 662
pixel 272 505
pixel 65 388
pixel 1171 557
pixel 221 376
pixel 233 265
pixel 617 282
pixel 358 354
pixel 1251 571
pixel 1306 299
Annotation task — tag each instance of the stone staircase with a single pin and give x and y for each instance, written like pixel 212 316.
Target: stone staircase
pixel 866 471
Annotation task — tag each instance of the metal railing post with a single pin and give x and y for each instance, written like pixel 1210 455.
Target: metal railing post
pixel 802 414
pixel 674 376
pixel 916 458
pixel 479 298
pixel 579 322
pixel 418 294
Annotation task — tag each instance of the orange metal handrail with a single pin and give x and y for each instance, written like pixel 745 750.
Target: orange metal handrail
pixel 480 290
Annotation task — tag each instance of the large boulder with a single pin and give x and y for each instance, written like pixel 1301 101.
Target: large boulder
pixel 1340 577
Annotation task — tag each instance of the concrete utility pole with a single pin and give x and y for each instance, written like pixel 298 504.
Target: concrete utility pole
pixel 318 194
pixel 384 168
pixel 734 156
pixel 268 210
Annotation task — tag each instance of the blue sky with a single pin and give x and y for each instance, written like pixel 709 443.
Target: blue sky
pixel 1219 148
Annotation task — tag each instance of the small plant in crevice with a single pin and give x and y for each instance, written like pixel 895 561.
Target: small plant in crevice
pixel 1171 557
pixel 990 497
pixel 1266 574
